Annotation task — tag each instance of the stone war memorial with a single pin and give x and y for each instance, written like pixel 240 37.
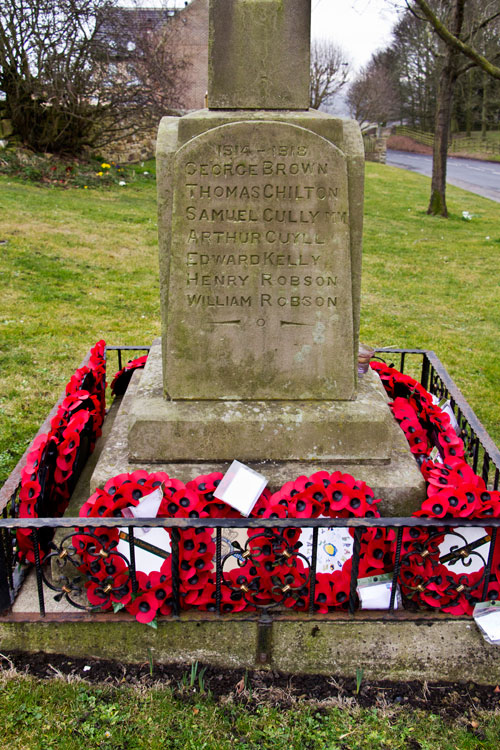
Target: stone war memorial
pixel 260 232
pixel 260 204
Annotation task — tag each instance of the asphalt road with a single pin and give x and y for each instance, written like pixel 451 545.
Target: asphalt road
pixel 481 177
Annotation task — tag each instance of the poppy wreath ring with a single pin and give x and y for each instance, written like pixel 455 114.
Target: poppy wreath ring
pixel 273 569
pixel 453 491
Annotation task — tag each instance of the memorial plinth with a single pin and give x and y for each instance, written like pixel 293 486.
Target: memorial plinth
pixel 258 430
pixel 260 228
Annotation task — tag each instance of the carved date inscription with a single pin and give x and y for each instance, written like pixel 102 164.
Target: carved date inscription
pixel 260 248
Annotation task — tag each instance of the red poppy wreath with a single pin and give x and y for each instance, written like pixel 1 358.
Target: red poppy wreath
pixel 266 569
pixel 56 459
pixel 442 567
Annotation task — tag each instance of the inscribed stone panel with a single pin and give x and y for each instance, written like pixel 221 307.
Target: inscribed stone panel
pixel 260 300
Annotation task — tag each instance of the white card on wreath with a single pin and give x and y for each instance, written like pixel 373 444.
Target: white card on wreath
pixel 240 487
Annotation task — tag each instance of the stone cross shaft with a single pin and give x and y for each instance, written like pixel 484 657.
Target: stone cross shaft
pixel 259 54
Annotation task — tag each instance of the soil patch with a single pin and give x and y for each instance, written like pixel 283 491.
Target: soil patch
pixel 450 700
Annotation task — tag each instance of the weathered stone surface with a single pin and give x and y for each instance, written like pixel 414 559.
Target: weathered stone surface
pixel 259 54
pixel 416 647
pixel 329 127
pixel 343 133
pixel 174 642
pixel 399 483
pixel 257 430
pixel 260 293
pixel 432 649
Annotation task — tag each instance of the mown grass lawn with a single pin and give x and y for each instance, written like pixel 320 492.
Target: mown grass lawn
pixel 41 715
pixel 78 265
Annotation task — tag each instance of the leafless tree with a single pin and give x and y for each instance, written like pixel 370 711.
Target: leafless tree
pixel 330 67
pixel 451 36
pixel 373 96
pixel 64 81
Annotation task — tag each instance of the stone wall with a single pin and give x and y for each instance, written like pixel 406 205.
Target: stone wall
pixel 375 148
pixel 131 150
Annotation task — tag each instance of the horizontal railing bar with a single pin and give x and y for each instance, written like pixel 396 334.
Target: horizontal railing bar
pixel 240 523
pixel 127 348
pixel 396 350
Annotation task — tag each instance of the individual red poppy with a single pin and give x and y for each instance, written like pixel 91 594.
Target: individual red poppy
pixel 144 607
pixel 203 598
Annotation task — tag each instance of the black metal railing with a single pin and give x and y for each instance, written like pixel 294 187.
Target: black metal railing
pixel 271 531
pixel 300 593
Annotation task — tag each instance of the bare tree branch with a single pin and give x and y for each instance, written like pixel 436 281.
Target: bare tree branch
pixel 455 42
pixel 78 73
pixel 330 67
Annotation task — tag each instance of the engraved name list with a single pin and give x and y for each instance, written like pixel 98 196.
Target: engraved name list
pixel 260 240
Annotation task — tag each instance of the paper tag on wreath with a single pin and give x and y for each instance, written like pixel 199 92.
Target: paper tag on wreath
pixel 374 592
pixel 487 618
pixel 335 546
pixel 240 487
pixel 445 405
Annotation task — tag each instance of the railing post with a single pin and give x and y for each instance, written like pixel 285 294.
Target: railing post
pixel 38 570
pixel 218 568
pixel 314 559
pixel 133 576
pixel 175 572
pixel 424 377
pixel 487 570
pixel 264 638
pixel 397 566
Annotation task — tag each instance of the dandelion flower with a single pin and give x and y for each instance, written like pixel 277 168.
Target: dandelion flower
pixel 104 165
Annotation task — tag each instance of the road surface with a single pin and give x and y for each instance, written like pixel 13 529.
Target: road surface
pixel 480 177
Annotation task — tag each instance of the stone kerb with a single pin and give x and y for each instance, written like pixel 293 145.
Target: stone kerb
pixel 260 294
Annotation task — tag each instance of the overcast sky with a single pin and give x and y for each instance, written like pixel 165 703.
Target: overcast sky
pixel 359 26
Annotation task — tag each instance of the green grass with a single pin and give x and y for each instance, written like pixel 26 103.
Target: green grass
pixel 433 283
pixel 42 715
pixel 77 266
pixel 80 265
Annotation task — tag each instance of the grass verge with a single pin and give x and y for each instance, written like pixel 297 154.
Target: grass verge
pixel 40 716
pixel 81 265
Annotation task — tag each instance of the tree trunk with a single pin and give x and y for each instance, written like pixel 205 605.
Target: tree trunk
pixel 437 203
pixel 447 79
pixel 468 104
